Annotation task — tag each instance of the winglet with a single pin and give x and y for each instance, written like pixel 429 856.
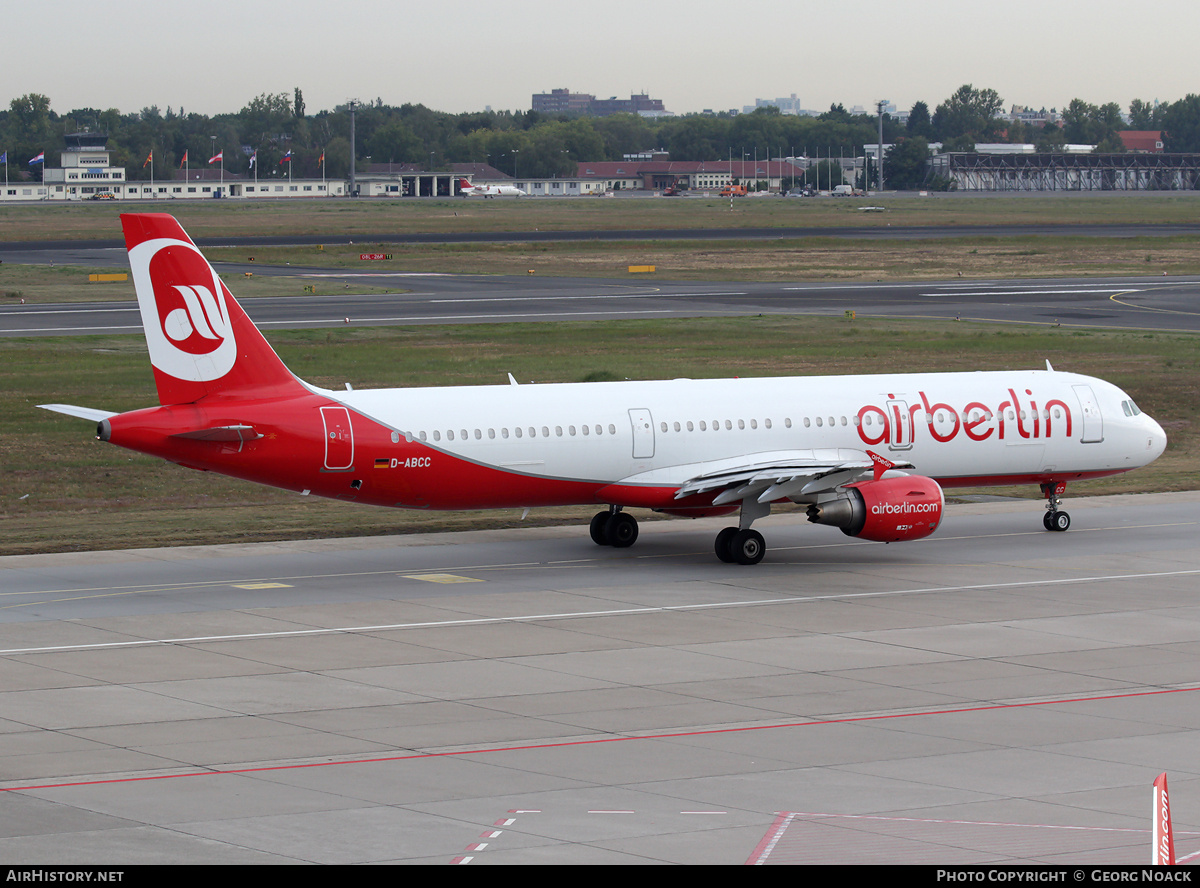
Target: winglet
pixel 1163 849
pixel 881 464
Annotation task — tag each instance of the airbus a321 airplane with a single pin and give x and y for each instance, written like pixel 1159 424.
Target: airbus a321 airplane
pixel 466 189
pixel 867 454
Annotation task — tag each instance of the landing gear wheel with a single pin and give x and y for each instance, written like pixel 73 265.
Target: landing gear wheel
pixel 748 546
pixel 1054 519
pixel 724 544
pixel 621 530
pixel 599 527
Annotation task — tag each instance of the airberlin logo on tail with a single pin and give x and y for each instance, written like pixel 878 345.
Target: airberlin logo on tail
pixel 199 326
pixel 183 310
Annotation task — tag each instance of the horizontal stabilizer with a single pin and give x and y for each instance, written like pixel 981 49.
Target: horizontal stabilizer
pixel 79 412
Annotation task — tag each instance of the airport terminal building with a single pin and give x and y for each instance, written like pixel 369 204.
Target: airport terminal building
pixel 1068 171
pixel 85 172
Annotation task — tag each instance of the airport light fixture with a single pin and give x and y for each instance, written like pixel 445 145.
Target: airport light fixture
pixel 879 106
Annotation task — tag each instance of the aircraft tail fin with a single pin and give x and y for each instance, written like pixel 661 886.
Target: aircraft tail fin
pixel 201 342
pixel 1163 849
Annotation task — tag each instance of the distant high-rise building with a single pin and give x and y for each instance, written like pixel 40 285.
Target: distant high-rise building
pixel 563 101
pixel 789 105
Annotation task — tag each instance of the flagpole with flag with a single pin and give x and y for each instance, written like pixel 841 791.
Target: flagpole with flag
pixel 254 166
pixel 4 160
pixel 184 165
pixel 288 158
pixel 150 160
pixel 322 163
pixel 219 157
pixel 41 158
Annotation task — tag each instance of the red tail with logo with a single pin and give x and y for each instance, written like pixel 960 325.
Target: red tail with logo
pixel 201 342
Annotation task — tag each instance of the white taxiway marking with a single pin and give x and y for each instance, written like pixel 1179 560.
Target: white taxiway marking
pixel 1030 292
pixel 631 611
pixel 478 317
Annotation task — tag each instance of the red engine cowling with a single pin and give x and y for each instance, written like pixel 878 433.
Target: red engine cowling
pixel 890 510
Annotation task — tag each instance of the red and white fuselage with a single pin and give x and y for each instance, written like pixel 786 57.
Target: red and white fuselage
pixel 690 447
pixel 637 443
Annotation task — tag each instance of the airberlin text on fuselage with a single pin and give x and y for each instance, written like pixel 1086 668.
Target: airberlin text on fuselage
pixel 1011 418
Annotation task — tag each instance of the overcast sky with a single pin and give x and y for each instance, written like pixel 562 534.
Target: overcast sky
pixel 458 56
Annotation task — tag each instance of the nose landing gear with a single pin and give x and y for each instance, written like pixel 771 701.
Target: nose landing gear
pixel 1055 519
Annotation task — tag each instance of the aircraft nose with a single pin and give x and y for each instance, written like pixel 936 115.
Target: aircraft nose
pixel 1156 439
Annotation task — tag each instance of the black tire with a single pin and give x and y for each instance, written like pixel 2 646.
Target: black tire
pixel 1048 520
pixel 622 530
pixel 1062 521
pixel 723 544
pixel 599 529
pixel 748 546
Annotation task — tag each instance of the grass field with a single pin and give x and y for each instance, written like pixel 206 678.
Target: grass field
pixel 351 218
pixel 806 259
pixel 61 490
pixel 810 259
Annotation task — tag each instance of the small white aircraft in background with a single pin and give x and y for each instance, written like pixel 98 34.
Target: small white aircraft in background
pixel 466 189
pixel 867 454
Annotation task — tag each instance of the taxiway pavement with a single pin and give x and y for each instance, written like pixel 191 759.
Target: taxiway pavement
pixel 994 693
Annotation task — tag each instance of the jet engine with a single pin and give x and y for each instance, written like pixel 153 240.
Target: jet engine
pixel 890 510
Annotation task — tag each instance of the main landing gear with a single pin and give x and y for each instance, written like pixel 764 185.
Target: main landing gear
pixel 614 528
pixel 741 545
pixel 1055 519
pixel 734 545
pixel 737 546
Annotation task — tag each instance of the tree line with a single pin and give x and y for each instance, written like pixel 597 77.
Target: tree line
pixel 526 143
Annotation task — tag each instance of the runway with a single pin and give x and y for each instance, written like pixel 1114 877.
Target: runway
pixel 1161 303
pixel 993 693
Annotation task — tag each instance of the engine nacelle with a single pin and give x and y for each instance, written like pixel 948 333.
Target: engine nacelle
pixel 890 510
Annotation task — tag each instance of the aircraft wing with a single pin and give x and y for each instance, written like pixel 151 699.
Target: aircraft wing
pixel 802 473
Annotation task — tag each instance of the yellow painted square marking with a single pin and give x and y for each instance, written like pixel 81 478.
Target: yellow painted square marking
pixel 261 586
pixel 442 578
